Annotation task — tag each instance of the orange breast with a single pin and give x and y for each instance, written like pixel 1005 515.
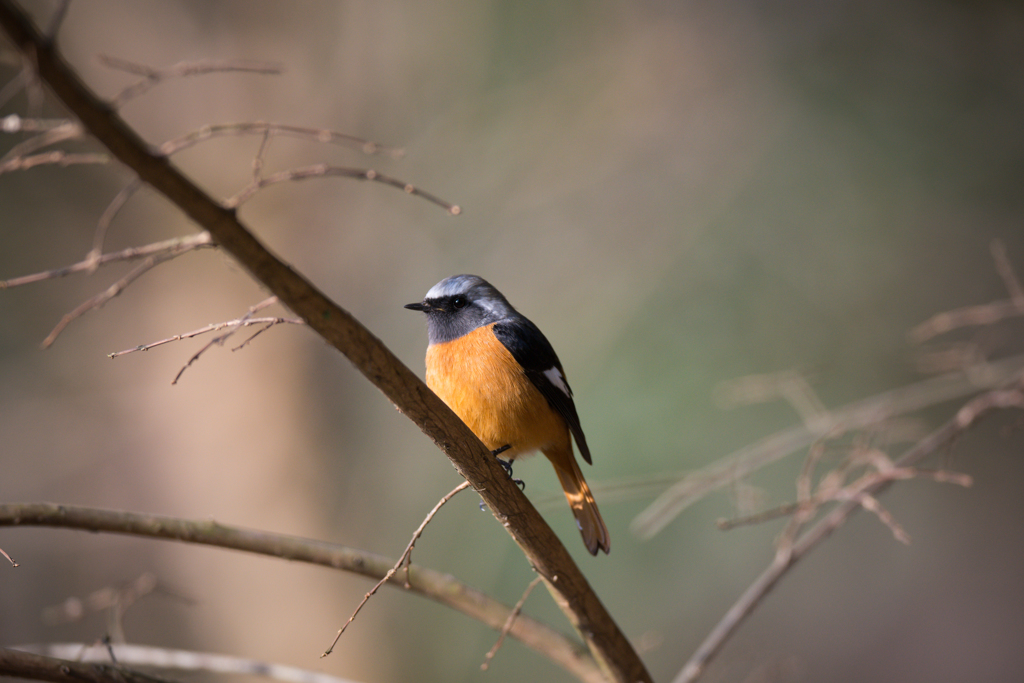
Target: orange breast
pixel 484 385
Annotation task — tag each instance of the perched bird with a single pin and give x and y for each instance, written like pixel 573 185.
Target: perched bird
pixel 498 372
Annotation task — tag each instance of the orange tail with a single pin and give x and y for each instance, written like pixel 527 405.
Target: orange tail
pixel 584 509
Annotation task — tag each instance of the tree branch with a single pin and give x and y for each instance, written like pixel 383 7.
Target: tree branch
pixel 25 665
pixel 182 660
pixel 438 586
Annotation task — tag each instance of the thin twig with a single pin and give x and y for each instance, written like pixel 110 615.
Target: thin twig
pixel 12 123
pixel 325 171
pixel 758 517
pixel 56 157
pixel 174 246
pixel 106 295
pixel 965 418
pixel 982 314
pixel 9 558
pixel 263 128
pixel 508 623
pixel 1006 272
pixel 231 329
pixel 152 77
pixel 875 409
pixel 401 560
pixel 209 328
pixel 107 217
pixel 969 316
pixel 69 130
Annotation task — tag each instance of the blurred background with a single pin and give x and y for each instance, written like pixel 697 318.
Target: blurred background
pixel 679 194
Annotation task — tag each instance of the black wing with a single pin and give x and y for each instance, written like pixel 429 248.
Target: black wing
pixel 533 352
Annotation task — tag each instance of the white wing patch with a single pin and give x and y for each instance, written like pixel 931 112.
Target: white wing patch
pixel 554 376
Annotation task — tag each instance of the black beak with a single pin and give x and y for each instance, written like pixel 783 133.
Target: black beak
pixel 418 307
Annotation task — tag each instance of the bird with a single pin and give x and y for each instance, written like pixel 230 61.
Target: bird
pixel 497 371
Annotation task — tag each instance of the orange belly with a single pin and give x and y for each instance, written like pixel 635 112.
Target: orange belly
pixel 484 385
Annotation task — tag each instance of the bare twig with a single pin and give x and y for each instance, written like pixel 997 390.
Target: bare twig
pixel 318 135
pixel 516 610
pixel 326 171
pixel 106 295
pixel 220 339
pixel 56 157
pixel 240 322
pixel 983 314
pixel 12 123
pixel 182 660
pixel 69 130
pixel 1006 272
pixel 152 77
pixel 174 247
pixel 967 416
pixel 403 560
pixel 873 410
pixel 103 224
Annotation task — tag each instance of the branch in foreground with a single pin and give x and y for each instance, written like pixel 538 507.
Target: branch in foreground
pixel 541 546
pixel 437 586
pixel 183 660
pixel 26 665
pixel 965 417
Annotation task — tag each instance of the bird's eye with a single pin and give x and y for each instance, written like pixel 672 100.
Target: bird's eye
pixel 460 302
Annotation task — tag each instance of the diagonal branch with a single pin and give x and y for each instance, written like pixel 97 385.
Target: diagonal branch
pixel 542 548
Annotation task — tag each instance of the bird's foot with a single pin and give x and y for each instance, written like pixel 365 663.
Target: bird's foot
pixel 507 465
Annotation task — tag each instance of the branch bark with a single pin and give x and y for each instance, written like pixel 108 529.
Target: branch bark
pixel 409 394
pixel 40 668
